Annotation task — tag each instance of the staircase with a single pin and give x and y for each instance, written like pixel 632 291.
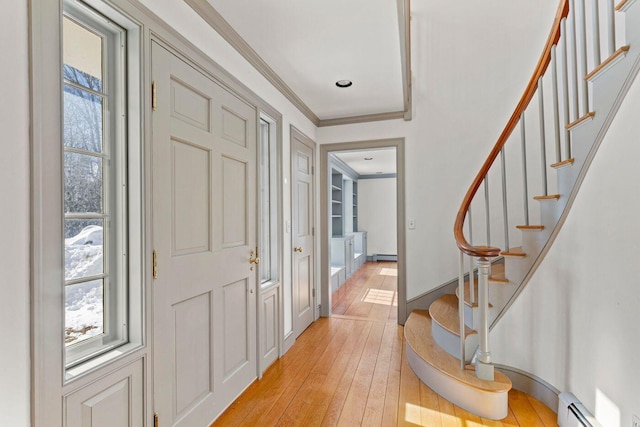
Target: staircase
pixel 590 59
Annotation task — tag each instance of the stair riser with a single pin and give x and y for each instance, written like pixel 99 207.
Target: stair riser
pixel 550 211
pixel 469 316
pixel 488 405
pixel 533 241
pixel 451 342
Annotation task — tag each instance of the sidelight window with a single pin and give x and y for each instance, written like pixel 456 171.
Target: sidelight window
pixel 94 185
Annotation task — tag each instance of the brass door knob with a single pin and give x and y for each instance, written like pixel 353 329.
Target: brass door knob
pixel 298 249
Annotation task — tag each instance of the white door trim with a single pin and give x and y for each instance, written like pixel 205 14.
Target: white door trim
pixel 325 279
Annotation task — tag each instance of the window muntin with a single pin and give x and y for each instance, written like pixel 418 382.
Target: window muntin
pixel 94 190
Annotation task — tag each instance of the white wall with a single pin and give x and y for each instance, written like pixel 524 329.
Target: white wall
pixel 576 323
pixel 470 66
pixel 14 217
pixel 377 214
pixel 188 23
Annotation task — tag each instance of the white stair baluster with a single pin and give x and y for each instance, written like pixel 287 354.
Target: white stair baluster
pixel 595 29
pixel 543 145
pixel 582 94
pixel 525 186
pixel 556 108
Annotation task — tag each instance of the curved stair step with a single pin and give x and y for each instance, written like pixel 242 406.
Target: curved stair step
pixel 443 373
pixel 444 311
pixel 445 328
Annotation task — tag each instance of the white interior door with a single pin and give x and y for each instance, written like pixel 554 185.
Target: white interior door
pixel 204 227
pixel 303 199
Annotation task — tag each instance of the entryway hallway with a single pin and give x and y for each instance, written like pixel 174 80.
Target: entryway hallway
pixel 351 370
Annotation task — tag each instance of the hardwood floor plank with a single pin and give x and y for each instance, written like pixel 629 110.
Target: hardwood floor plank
pixel 467 418
pixel 264 394
pixel 254 400
pixel 374 407
pixel 523 411
pixel 281 405
pixel 355 402
pixel 548 417
pixel 337 401
pixel 392 392
pixel 325 393
pixel 448 413
pixel 430 408
pixel 409 401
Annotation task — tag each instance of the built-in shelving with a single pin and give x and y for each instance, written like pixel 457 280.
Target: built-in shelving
pixel 337 220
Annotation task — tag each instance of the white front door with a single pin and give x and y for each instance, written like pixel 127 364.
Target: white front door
pixel 204 227
pixel 303 198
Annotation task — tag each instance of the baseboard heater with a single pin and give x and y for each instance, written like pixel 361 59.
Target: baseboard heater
pixel 572 413
pixel 383 257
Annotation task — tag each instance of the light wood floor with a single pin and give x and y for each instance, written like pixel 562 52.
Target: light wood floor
pixel 351 370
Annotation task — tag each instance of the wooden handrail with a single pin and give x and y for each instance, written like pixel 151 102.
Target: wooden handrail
pixel 541 68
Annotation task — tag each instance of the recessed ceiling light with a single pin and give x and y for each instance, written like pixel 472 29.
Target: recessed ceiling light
pixel 344 83
pixel 368 158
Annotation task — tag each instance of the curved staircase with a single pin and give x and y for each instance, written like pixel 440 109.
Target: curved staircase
pixel 568 111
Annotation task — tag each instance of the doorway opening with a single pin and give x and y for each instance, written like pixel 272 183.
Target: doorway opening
pixel 362 270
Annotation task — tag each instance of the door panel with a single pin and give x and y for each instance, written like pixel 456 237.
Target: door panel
pixel 302 159
pixel 204 204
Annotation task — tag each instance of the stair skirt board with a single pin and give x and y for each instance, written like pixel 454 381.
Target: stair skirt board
pixel 485 404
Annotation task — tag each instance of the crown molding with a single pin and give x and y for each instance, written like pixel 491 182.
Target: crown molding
pixel 218 23
pixel 212 17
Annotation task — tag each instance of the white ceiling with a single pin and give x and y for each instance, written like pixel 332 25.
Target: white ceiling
pixel 382 160
pixel 312 44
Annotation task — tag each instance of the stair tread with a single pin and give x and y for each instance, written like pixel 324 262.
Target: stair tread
pixel 467 294
pixel 530 227
pixel 607 62
pixel 444 311
pixel 514 252
pixel 589 116
pixel 620 5
pixel 563 163
pixel 547 197
pixel 417 331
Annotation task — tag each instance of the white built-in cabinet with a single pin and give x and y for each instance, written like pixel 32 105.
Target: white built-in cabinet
pixel 359 248
pixel 348 245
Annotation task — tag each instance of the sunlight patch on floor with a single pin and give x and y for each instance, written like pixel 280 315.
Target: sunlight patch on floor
pixel 379 296
pixel 412 413
pixel 389 272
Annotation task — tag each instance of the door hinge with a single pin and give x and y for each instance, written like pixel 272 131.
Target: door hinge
pixel 154 103
pixel 156 420
pixel 313 231
pixel 313 292
pixel 155 264
pixel 313 170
